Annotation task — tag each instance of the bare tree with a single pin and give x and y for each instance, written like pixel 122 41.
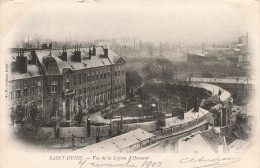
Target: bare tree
pixel 162 69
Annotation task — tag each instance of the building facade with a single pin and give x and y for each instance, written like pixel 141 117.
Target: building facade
pixel 64 82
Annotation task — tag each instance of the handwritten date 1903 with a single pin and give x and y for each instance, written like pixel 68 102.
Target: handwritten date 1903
pixel 148 164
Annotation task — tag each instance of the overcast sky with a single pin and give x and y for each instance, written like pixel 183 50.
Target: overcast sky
pixel 185 23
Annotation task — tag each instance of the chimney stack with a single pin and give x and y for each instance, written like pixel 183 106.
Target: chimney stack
pixel 50 45
pixel 196 105
pixel 21 62
pixel 94 50
pixel 77 54
pixel 63 56
pixel 105 52
pixel 33 54
pixel 89 53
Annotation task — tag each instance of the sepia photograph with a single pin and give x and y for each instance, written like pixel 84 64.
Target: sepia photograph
pixel 95 83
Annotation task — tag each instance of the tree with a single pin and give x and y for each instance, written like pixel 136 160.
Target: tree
pixel 79 117
pixel 133 80
pixel 17 114
pixel 161 68
pixel 36 116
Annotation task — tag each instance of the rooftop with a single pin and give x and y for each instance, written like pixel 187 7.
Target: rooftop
pixel 53 65
pixel 118 143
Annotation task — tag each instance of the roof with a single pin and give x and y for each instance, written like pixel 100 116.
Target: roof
pixel 225 95
pixel 32 70
pixel 116 144
pixel 188 116
pixel 206 141
pixel 53 65
pixel 213 138
pixel 95 61
pixel 194 143
pixel 229 134
pixel 238 146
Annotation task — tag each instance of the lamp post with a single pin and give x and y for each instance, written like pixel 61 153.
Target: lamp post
pixel 153 105
pixel 140 106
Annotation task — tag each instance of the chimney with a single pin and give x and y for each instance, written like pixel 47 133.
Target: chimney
pixel 94 50
pixel 21 62
pixel 33 54
pixel 89 53
pixel 105 52
pixel 50 45
pixel 77 54
pixel 196 105
pixel 63 56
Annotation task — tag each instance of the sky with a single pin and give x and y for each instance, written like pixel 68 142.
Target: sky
pixel 149 21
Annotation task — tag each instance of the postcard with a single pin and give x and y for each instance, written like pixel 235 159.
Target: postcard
pixel 129 84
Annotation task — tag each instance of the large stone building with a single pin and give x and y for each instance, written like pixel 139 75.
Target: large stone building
pixel 63 82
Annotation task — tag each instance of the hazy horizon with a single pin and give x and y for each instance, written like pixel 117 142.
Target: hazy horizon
pixel 173 22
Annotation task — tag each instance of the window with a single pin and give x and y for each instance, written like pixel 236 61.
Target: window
pixel 108 73
pixel 18 93
pixel 93 76
pixel 115 73
pixel 97 76
pixel 105 75
pixel 101 98
pixel 75 80
pixel 89 100
pixel 32 90
pixel 67 84
pixel 88 89
pixel 11 94
pixel 85 78
pixel 39 87
pixel 79 77
pixel 25 90
pixel 54 87
pixel 97 99
pixel 79 91
pixel 88 79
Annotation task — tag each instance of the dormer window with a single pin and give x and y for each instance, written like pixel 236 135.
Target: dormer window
pixel 54 87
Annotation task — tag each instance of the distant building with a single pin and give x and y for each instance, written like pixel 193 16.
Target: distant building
pixel 241 51
pixel 64 82
pixel 199 58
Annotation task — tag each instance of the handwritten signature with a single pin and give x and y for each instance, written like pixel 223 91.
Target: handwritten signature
pixel 210 162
